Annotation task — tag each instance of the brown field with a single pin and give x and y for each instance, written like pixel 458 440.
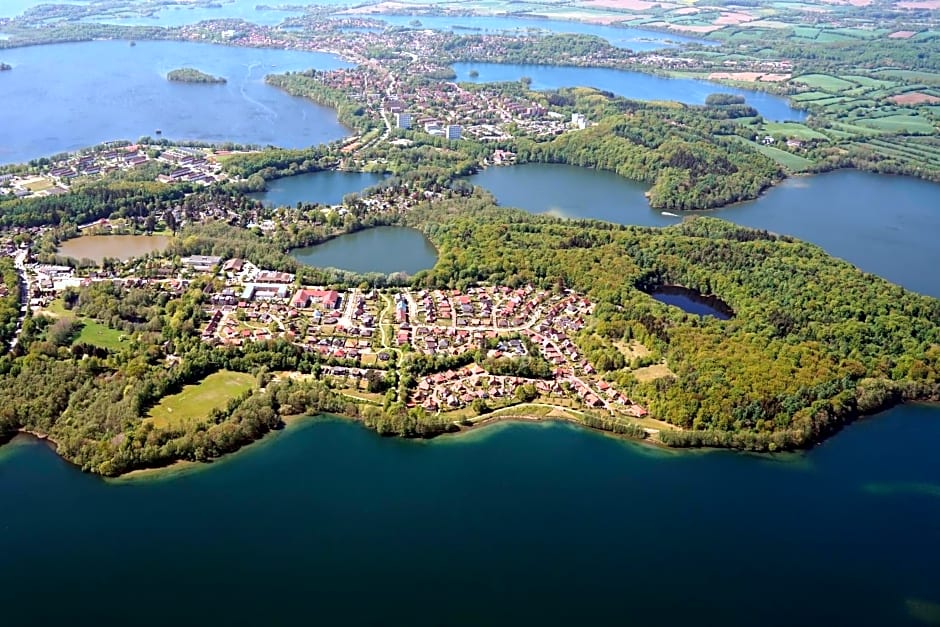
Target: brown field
pixel 651 373
pixel 633 349
pixel 914 98
pixel 902 34
pixel 625 5
pixel 919 4
pixel 379 8
pixel 732 18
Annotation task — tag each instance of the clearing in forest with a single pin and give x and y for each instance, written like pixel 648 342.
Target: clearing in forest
pixel 195 402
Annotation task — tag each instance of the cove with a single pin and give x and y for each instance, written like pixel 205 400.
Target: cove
pixel 692 302
pixel 68 96
pixel 327 187
pixel 633 85
pixel 883 224
pixel 383 249
pixel 123 247
pixel 541 524
pixel 631 38
pixel 565 191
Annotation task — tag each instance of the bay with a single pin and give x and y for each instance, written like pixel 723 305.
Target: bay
pixel 633 85
pixel 883 224
pixel 384 249
pixel 519 524
pixel 68 96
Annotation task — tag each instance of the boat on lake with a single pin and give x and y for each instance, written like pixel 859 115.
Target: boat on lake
pixel 671 215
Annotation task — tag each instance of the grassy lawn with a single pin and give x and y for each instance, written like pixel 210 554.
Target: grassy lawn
pixel 195 402
pixel 39 185
pixel 101 335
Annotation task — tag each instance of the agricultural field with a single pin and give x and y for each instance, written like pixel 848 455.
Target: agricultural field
pixel 195 402
pixel 793 163
pixel 792 130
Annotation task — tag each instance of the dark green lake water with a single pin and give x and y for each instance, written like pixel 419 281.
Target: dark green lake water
pixel 384 249
pixel 887 225
pixel 326 523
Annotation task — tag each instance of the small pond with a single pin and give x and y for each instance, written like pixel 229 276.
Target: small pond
pixel 327 187
pixel 691 301
pixel 123 247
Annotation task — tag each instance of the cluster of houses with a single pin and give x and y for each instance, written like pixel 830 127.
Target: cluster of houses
pixel 55 178
pixel 453 389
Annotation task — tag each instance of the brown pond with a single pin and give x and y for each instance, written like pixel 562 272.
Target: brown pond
pixel 123 247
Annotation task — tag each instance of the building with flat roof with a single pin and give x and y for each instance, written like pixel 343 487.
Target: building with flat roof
pixel 403 120
pixel 453 131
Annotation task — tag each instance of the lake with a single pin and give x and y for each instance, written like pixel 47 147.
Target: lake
pixel 384 249
pixel 692 302
pixel 632 38
pixel 516 525
pixel 69 96
pixel 883 224
pixel 123 247
pixel 327 187
pixel 633 85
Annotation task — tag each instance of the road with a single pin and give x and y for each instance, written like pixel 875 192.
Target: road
pixel 20 262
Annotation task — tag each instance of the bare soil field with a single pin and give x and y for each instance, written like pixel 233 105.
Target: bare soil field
pixel 914 98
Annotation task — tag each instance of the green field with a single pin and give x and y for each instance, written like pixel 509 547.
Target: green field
pixel 900 123
pixel 824 82
pixel 789 161
pixel 100 335
pixel 928 78
pixel 195 402
pixel 792 129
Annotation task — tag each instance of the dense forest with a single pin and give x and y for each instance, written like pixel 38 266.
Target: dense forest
pixel 9 299
pixel 349 112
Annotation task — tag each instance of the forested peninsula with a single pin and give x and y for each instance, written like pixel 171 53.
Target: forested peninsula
pixel 192 75
pixel 813 344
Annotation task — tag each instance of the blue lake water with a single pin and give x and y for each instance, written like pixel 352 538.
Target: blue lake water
pixel 632 38
pixel 519 525
pixel 634 85
pixel 883 224
pixel 327 187
pixel 69 96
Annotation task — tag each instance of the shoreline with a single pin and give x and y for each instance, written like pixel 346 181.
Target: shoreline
pixel 181 467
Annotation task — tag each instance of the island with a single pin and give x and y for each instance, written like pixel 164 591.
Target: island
pixel 5 67
pixel 192 75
